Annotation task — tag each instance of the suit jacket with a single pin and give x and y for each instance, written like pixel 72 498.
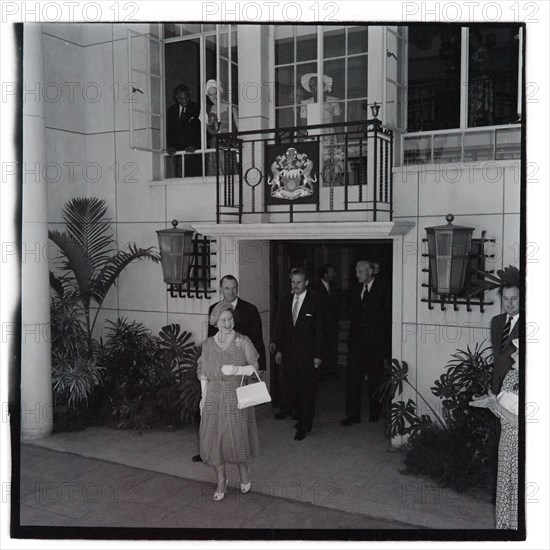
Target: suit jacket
pixel 502 359
pixel 300 343
pixel 247 322
pixel 181 132
pixel 370 327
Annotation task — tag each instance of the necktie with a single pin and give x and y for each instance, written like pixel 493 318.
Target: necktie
pixel 295 310
pixel 364 291
pixel 505 332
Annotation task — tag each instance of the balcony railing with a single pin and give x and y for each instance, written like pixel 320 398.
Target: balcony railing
pixel 327 172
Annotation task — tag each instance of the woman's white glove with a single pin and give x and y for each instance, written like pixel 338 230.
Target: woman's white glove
pixel 232 370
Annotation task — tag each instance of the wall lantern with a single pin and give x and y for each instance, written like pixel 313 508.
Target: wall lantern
pixel 375 108
pixel 449 253
pixel 175 252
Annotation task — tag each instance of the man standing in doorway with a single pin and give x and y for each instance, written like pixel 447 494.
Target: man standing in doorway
pixel 504 328
pixel 247 321
pixel 298 343
pixel 369 342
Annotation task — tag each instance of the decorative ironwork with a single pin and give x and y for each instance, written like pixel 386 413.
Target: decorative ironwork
pixel 199 280
pixel 355 160
pixel 477 261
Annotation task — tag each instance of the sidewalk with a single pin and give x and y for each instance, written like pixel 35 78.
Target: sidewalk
pixel 339 474
pixel 64 489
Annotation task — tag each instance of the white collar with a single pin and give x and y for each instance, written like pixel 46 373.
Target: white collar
pixel 300 297
pixel 234 302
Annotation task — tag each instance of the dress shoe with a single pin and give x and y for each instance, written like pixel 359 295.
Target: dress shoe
pixel 197 458
pixel 280 416
pixel 349 421
pixel 220 496
pixel 245 487
pixel 300 434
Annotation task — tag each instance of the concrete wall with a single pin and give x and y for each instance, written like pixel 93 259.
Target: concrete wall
pixel 485 196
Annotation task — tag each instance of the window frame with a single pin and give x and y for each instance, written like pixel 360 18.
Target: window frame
pixel 463 127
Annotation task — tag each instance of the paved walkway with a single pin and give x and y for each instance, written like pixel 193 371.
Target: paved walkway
pixel 335 478
pixel 64 489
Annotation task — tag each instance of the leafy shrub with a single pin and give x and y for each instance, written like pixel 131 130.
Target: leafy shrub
pixel 460 451
pixel 151 381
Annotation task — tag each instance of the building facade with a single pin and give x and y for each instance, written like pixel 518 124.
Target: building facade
pixel 446 139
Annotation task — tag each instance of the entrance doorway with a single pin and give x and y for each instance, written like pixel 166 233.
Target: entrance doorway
pixel 311 255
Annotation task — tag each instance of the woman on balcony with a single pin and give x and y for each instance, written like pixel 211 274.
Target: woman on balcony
pixel 218 122
pixel 227 434
pixel 331 150
pixel 505 406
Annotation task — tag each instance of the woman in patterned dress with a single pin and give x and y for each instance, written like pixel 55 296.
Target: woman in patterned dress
pixel 227 434
pixel 505 406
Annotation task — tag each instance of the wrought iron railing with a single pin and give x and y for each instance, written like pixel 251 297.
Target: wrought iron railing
pixel 305 173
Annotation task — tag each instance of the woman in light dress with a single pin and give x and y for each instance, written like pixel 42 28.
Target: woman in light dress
pixel 227 434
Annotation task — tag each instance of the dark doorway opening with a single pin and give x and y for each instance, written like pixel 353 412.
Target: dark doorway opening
pixel 311 255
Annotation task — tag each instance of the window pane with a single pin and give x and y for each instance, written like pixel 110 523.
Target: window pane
pixel 235 84
pixel 434 77
pixel 171 30
pixel 391 56
pixel 358 40
pixel 210 60
pixel 206 28
pixel 508 143
pixel 336 69
pixel 390 103
pixel 190 29
pixel 284 44
pixel 357 110
pixel 418 150
pixel 224 51
pixel 155 94
pixel 478 146
pixel 284 86
pixel 493 70
pixel 357 76
pixel 334 43
pixel 306 44
pixel 448 148
pixel 234 47
pixel 284 117
pixel 301 70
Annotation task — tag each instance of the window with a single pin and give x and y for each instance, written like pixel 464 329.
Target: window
pixel 487 60
pixel 203 60
pixel 306 55
pixel 185 90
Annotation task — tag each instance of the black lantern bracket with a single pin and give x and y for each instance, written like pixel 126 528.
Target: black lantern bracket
pixel 199 278
pixel 476 261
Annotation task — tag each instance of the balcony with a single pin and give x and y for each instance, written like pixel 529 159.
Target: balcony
pixel 328 172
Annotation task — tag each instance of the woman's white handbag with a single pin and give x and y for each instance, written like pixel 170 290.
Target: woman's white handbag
pixel 252 394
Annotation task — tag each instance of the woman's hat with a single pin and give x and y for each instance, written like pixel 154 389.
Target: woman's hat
pixel 327 81
pixel 214 84
pixel 219 308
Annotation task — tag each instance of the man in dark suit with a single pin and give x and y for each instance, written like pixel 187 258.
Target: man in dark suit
pixel 504 329
pixel 298 345
pixel 369 342
pixel 324 289
pixel 247 321
pixel 183 132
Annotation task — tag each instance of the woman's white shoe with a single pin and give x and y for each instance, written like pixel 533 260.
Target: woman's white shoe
pixel 220 496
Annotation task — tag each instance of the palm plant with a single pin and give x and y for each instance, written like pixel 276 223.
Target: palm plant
pixel 91 265
pixel 487 281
